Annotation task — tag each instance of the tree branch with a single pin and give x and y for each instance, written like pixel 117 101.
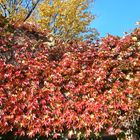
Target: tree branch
pixel 31 11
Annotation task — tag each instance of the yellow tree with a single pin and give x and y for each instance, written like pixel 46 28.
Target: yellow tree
pixel 17 10
pixel 66 18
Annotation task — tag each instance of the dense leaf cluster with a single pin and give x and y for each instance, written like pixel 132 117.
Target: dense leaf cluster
pixel 70 89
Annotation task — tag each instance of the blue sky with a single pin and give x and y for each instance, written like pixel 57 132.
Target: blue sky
pixel 115 16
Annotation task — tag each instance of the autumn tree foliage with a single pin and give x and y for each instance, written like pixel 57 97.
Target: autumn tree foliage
pixel 71 90
pixel 67 19
pixel 17 10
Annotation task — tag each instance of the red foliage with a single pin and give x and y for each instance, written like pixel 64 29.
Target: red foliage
pixel 69 88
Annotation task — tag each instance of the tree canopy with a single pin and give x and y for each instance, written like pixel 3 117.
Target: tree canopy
pixel 17 10
pixel 68 19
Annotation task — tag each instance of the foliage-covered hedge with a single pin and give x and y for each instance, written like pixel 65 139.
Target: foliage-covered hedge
pixel 76 89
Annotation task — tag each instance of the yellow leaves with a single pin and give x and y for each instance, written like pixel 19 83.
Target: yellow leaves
pixel 65 18
pixel 13 10
pixel 19 17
